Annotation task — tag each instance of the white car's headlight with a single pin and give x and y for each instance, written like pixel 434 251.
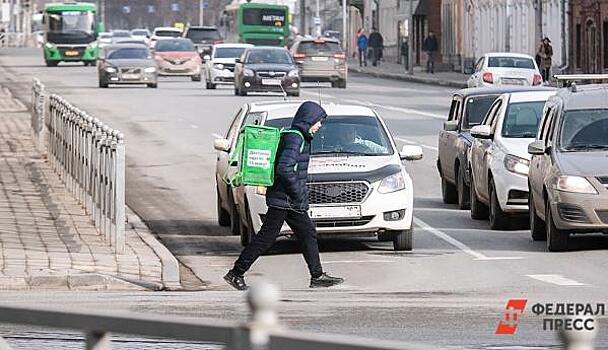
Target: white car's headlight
pixel 576 184
pixel 516 164
pixel 293 73
pixel 110 69
pixel 150 70
pixel 392 183
pixel 218 66
pixel 248 72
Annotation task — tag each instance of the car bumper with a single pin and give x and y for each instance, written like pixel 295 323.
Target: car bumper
pixel 580 212
pixel 512 191
pixel 166 69
pixel 289 84
pixel 146 78
pixel 222 76
pixel 322 75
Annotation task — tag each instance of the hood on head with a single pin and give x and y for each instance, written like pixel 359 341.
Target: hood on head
pixel 308 115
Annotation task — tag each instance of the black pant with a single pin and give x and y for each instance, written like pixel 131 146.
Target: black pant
pixel 545 72
pixel 302 227
pixel 430 62
pixel 363 57
pixel 376 55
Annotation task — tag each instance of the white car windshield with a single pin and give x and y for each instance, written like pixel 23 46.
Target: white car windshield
pixel 521 119
pixel 228 52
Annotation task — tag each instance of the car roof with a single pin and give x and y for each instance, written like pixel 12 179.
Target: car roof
pixel 281 109
pixel 168 28
pixel 499 90
pixel 592 96
pixel 202 27
pixel 531 96
pixel 507 54
pixel 139 30
pixel 126 46
pixel 233 45
pixel 325 38
pixel 267 48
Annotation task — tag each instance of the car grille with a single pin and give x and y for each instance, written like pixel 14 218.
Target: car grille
pixel 344 222
pixel 603 215
pixel 604 181
pixel 229 66
pixel 264 74
pixel 337 193
pixel 130 70
pixel 572 213
pixel 177 62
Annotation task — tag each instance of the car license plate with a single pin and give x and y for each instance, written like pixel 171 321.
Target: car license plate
pixel 512 81
pixel 351 211
pixel 71 53
pixel 130 76
pixel 319 59
pixel 274 82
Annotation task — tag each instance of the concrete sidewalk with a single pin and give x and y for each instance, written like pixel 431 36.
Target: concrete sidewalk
pixel 46 239
pixel 398 72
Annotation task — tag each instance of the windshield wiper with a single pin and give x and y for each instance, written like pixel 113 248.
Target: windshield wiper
pixel 527 136
pixel 345 152
pixel 586 146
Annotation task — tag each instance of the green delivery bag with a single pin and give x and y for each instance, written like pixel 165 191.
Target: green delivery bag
pixel 255 154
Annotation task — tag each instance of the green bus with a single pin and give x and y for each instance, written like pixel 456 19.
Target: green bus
pixel 263 24
pixel 70 33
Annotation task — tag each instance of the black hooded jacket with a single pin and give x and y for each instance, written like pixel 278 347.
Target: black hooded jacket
pixel 291 166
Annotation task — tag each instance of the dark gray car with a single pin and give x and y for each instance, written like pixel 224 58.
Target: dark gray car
pixel 568 175
pixel 127 64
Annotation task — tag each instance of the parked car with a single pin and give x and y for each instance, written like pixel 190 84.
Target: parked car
pixel 127 64
pixel 499 159
pixel 321 59
pixel 358 185
pixel 203 38
pixel 219 66
pixel 178 57
pixel 141 34
pixel 164 32
pixel 568 176
pixel 468 108
pixel 505 68
pixel 119 35
pixel 266 69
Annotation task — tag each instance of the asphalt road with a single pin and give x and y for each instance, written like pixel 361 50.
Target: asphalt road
pixel 450 290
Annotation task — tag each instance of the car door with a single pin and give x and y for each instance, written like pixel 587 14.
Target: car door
pixel 481 152
pixel 538 163
pixel 448 139
pixel 222 166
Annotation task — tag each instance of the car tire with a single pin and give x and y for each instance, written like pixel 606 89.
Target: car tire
pixel 334 83
pixel 153 86
pixel 51 63
pixel 342 83
pixel 557 240
pixel 537 226
pixel 223 216
pixel 102 83
pixel 448 192
pixel 196 77
pixel 499 220
pixel 236 92
pixel 479 211
pixel 295 94
pixel 403 240
pixel 247 228
pixel 242 92
pixel 464 193
pixel 212 86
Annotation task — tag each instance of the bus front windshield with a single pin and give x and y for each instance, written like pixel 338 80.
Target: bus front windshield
pixel 264 17
pixel 72 22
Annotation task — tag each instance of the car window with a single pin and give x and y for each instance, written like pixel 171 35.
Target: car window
pixel 479 64
pixel 234 127
pixel 454 109
pixel 313 47
pixel 228 52
pixel 129 53
pixel 174 46
pixel 168 33
pixel 476 108
pixel 510 62
pixel 269 56
pixel 121 34
pixel 254 118
pixel 491 115
pixel 139 33
pixel 584 130
pixel 522 119
pixel 203 34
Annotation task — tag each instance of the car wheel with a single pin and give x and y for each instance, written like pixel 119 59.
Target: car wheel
pixel 499 220
pixel 212 86
pixel 223 216
pixel 242 92
pixel 403 240
pixel 247 228
pixel 153 85
pixel 342 83
pixel 236 91
pixel 334 84
pixel 102 83
pixel 448 192
pixel 235 218
pixel 537 226
pixel 557 240
pixel 464 193
pixel 196 77
pixel 295 94
pixel 479 211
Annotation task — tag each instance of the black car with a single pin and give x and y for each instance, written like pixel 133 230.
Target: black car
pixel 203 38
pixel 266 69
pixel 468 108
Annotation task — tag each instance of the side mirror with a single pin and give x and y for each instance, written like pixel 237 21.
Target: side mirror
pixel 221 145
pixel 238 60
pixel 411 152
pixel 537 148
pixel 482 132
pixel 206 57
pixel 450 125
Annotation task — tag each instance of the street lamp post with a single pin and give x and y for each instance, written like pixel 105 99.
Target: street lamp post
pixel 317 20
pixel 344 28
pixel 201 12
pixel 410 39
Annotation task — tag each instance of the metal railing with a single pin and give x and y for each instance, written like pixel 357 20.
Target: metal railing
pixel 15 39
pixel 89 157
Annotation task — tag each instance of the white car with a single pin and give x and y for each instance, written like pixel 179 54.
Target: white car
pixel 219 66
pixel 141 34
pixel 499 158
pixel 357 186
pixel 104 39
pixel 505 68
pixel 164 32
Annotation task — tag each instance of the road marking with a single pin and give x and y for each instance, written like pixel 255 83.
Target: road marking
pixel 410 142
pixel 558 280
pixel 456 243
pixel 358 262
pixel 217 136
pixel 194 126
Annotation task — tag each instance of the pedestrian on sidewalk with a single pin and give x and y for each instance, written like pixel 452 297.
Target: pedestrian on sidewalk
pixel 376 45
pixel 430 46
pixel 362 46
pixel 545 53
pixel 287 201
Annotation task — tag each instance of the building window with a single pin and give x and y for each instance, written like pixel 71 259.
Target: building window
pixel 605 42
pixel 577 43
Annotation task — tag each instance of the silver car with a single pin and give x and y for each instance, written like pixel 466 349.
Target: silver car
pixel 321 60
pixel 127 64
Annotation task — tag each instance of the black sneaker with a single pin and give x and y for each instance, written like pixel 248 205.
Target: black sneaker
pixel 236 281
pixel 325 281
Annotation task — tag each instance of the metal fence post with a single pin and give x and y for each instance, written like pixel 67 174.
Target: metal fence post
pixel 263 300
pixel 119 192
pixel 98 341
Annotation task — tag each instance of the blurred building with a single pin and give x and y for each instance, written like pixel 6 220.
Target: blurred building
pixel 588 37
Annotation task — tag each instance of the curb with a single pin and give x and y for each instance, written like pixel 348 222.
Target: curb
pixel 410 78
pixel 80 281
pixel 170 265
